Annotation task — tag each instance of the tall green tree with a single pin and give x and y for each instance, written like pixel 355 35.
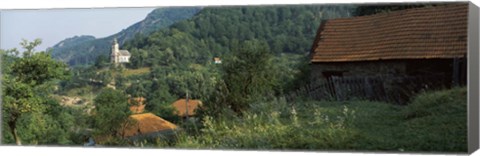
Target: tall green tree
pixel 247 75
pixel 111 111
pixel 24 83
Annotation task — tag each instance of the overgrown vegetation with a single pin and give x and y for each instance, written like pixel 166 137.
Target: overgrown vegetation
pixel 351 125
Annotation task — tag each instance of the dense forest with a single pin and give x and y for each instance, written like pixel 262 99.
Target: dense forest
pixel 213 31
pixel 264 56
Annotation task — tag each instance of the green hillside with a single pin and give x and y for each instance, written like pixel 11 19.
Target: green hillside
pixel 214 31
pixel 81 51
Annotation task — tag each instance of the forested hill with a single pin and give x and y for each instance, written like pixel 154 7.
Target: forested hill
pixel 85 49
pixel 214 30
pixel 74 41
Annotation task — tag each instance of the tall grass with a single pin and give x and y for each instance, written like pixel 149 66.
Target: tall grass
pixel 434 121
pixel 275 125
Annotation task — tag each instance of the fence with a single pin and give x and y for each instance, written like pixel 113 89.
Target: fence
pixel 392 89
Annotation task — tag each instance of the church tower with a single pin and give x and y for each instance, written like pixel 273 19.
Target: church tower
pixel 115 52
pixel 119 56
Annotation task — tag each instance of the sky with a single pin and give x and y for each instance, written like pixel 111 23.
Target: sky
pixel 54 25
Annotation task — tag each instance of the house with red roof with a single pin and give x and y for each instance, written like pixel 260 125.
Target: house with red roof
pixel 369 56
pixel 147 125
pixel 186 108
pixel 137 104
pixel 415 42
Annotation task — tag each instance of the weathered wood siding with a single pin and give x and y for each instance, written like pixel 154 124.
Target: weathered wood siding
pixel 426 67
pixel 367 68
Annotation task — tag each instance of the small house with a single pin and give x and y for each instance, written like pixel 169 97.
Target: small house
pixel 137 105
pixel 217 60
pixel 186 108
pixel 147 125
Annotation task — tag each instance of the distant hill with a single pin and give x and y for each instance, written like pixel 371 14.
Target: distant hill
pixel 74 41
pixel 82 50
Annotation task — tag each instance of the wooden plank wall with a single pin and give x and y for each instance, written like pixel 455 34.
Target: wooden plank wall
pixel 397 90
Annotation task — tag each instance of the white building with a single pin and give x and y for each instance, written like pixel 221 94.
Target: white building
pixel 119 56
pixel 217 60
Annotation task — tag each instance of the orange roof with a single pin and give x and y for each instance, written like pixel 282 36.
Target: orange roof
pixel 216 59
pixel 137 109
pixel 181 106
pixel 419 33
pixel 147 123
pixel 138 106
pixel 138 100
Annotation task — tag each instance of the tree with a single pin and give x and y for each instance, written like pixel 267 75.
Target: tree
pixel 19 100
pixel 37 68
pixel 24 81
pixel 247 74
pixel 136 89
pixel 111 111
pixel 101 61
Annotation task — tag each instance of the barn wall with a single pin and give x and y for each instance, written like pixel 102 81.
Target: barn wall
pixel 390 80
pixel 370 68
pixel 419 67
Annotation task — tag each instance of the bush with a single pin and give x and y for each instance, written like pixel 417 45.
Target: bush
pixel 437 121
pixel 438 103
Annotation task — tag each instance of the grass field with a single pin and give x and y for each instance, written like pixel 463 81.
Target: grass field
pixel 139 71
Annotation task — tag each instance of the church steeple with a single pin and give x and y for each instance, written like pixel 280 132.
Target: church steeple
pixel 115 44
pixel 115 52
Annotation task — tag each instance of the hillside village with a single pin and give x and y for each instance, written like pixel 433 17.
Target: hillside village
pixel 143 124
pixel 280 77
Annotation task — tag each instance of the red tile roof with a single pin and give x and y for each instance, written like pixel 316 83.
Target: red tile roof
pixel 137 108
pixel 147 123
pixel 137 105
pixel 181 106
pixel 420 33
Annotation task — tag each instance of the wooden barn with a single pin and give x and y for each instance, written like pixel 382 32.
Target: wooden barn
pixel 428 42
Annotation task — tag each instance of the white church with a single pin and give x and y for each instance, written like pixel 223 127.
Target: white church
pixel 119 56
